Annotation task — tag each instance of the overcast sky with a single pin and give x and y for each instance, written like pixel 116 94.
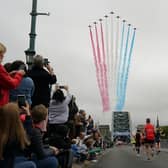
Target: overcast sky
pixel 63 37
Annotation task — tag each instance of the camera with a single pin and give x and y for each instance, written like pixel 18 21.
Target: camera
pixel 61 87
pixel 21 100
pixel 46 62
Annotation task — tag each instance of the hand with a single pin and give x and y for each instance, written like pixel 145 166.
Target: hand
pixel 12 72
pixel 50 69
pixel 26 109
pixel 22 72
pixel 55 150
pixel 66 87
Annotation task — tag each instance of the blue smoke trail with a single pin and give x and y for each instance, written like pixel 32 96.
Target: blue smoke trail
pixel 127 68
pixel 120 60
pixel 119 102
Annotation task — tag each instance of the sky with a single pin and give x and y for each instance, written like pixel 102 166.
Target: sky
pixel 63 38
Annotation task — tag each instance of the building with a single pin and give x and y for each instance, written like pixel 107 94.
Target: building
pixel 121 126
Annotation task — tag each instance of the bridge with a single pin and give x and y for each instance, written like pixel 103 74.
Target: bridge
pixel 125 157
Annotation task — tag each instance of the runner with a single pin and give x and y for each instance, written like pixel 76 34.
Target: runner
pixel 138 142
pixel 157 141
pixel 149 139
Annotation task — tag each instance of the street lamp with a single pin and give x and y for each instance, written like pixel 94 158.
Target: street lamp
pixel 30 52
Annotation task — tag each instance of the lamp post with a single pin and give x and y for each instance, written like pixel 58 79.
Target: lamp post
pixel 30 52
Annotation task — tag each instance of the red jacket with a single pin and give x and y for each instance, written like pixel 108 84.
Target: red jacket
pixel 6 83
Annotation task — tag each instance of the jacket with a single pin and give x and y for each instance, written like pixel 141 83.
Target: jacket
pixel 7 82
pixel 42 81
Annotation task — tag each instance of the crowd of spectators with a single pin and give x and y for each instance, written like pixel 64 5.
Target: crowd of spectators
pixel 38 129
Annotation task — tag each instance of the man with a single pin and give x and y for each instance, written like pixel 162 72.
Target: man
pixel 149 138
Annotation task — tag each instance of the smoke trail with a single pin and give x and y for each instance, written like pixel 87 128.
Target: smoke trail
pixel 104 69
pixel 127 68
pixel 123 70
pixel 96 63
pixel 116 56
pixel 120 59
pixel 101 68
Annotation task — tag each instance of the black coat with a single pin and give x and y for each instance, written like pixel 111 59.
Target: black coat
pixel 42 81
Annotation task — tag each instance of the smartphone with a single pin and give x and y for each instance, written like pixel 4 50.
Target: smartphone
pixel 21 100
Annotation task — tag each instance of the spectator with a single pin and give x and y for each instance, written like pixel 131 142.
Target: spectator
pixel 7 81
pixel 58 109
pixel 78 125
pixel 82 115
pixel 42 79
pixel 13 139
pixel 73 109
pixel 44 155
pixel 26 86
pixel 90 124
pixel 98 141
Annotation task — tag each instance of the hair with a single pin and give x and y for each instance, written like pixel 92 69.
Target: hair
pixel 148 120
pixel 81 111
pixel 38 61
pixel 58 95
pixel 11 127
pixel 7 66
pixel 39 113
pixel 2 48
pixel 17 64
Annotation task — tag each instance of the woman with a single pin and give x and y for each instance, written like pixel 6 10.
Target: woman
pixel 7 81
pixel 26 87
pixel 58 108
pixel 58 129
pixel 13 141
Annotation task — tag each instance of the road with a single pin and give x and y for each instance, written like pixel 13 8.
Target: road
pixel 125 157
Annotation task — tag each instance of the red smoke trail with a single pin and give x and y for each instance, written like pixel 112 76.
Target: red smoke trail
pixel 97 66
pixel 104 70
pixel 101 67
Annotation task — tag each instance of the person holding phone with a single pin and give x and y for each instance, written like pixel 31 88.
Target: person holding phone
pixel 25 89
pixel 43 79
pixel 7 80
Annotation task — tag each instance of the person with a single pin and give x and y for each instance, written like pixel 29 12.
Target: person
pixel 58 108
pixel 26 87
pixel 149 132
pixel 13 141
pixel 58 127
pixel 90 124
pixel 138 142
pixel 43 78
pixel 157 140
pixel 7 80
pixel 43 155
pixel 73 109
